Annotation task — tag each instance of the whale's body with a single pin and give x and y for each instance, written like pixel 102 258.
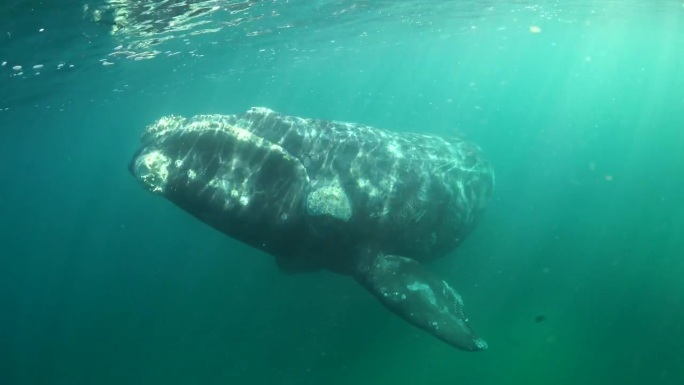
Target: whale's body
pixel 317 194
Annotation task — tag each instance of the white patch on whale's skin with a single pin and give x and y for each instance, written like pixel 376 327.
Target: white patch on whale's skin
pixel 234 194
pixel 394 149
pixel 244 200
pixel 153 170
pixel 329 200
pixel 396 296
pixel 481 344
pixel 424 289
pixel 163 126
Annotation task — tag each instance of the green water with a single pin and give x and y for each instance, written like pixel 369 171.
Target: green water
pixel 574 276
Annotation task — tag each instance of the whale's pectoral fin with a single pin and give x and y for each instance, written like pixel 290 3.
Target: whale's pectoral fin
pixel 420 297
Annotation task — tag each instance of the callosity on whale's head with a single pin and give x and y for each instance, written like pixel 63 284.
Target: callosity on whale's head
pixel 317 194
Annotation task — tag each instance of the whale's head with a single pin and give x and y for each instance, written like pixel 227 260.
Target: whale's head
pixel 223 174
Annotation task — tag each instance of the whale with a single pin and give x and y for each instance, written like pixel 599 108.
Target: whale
pixel 365 202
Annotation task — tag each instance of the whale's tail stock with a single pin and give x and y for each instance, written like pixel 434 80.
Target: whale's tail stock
pixel 420 297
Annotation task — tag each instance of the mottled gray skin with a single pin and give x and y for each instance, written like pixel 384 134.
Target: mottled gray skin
pixel 318 194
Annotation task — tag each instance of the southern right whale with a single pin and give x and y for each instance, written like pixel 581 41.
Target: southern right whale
pixel 350 198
